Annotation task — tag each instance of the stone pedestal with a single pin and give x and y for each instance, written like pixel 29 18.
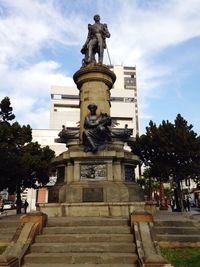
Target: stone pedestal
pixel 94 82
pixel 101 184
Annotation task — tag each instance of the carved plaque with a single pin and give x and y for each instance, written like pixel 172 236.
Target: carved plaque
pixel 93 194
pixel 93 171
pixel 129 173
pixel 53 196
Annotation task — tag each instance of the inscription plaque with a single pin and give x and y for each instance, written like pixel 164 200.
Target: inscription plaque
pixel 93 194
pixel 93 171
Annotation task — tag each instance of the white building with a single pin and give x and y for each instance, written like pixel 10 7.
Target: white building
pixel 124 97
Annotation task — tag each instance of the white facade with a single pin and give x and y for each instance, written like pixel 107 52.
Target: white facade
pixel 64 107
pixel 46 137
pixel 124 100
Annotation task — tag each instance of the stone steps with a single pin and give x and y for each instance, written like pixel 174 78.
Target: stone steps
pixel 176 232
pixel 50 238
pixel 84 258
pixel 9 230
pixel 82 265
pixel 78 221
pixel 6 223
pixel 5 238
pixel 8 227
pixel 178 238
pixel 87 230
pixel 174 223
pixel 83 247
pixel 83 241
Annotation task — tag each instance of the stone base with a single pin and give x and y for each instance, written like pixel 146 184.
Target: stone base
pixel 100 184
pixel 97 191
pixel 110 173
pixel 90 209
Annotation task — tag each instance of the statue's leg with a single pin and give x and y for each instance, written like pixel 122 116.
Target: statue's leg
pixel 88 141
pixel 100 48
pixel 101 56
pixel 92 144
pixel 91 46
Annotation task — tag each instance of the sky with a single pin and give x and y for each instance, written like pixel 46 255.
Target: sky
pixel 40 42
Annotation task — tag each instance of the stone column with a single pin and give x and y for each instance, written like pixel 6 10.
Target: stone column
pixel 94 82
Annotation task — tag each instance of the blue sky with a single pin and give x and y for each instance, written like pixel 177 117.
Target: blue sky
pixel 40 43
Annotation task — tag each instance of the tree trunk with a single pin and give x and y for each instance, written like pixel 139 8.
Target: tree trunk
pixel 163 205
pixel 19 201
pixel 150 189
pixel 177 195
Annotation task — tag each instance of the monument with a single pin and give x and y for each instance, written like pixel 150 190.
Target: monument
pixel 95 175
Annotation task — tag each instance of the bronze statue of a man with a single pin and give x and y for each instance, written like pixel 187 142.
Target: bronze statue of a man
pixel 95 42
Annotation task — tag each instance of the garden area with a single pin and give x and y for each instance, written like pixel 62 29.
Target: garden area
pixel 182 257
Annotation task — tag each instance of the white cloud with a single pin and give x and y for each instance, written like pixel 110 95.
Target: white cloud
pixel 29 89
pixel 137 35
pixel 26 28
pixel 33 25
pixel 140 34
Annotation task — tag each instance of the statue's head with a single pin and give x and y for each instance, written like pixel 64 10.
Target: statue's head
pixel 92 107
pixel 96 18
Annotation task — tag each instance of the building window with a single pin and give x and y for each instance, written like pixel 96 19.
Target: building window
pixel 66 108
pixel 117 99
pixel 131 74
pixel 70 97
pixel 129 99
pixel 129 83
pixel 129 68
pixel 56 96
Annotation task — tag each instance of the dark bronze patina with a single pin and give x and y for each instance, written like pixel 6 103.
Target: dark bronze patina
pixel 95 42
pixel 96 134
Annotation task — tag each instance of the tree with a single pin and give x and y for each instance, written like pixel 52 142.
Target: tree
pixel 149 184
pixel 23 164
pixel 171 151
pixel 6 111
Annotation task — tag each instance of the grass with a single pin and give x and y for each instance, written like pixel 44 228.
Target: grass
pixel 2 248
pixel 182 257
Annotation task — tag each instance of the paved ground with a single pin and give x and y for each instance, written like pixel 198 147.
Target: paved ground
pixel 10 212
pixel 194 214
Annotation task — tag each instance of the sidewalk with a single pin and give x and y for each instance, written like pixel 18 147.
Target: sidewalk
pixel 168 215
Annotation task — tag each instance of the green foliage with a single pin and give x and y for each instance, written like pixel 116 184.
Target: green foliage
pixel 169 150
pixel 22 162
pixel 182 257
pixel 148 183
pixel 6 111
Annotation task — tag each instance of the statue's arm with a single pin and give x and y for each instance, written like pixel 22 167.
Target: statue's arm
pixel 106 32
pixel 88 124
pixel 88 36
